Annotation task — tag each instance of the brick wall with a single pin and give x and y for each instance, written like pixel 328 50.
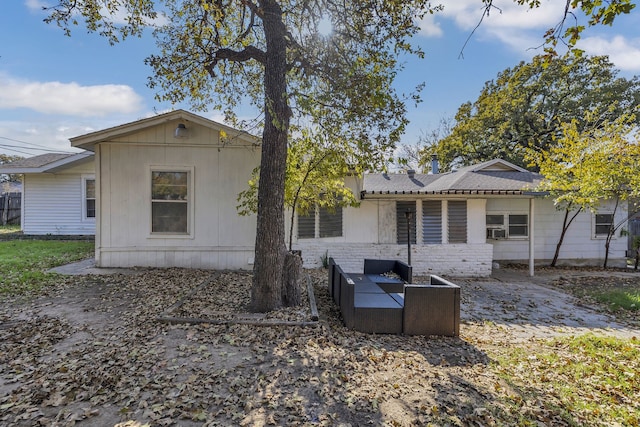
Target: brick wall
pixel 458 260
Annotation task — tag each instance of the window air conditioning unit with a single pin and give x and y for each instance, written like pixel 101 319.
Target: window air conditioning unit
pixel 496 233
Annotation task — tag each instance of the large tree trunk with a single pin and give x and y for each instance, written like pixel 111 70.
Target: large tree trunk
pixel 270 247
pixel 292 290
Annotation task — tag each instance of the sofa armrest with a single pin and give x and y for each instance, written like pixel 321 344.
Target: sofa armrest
pixel 337 274
pixel 431 310
pixel 347 291
pixel 332 267
pixel 403 270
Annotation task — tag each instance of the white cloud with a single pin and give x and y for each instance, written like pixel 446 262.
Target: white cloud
pixel 35 4
pixel 624 53
pixel 429 27
pixel 518 27
pixel 505 14
pixel 68 98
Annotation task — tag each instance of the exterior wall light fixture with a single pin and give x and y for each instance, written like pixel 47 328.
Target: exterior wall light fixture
pixel 181 131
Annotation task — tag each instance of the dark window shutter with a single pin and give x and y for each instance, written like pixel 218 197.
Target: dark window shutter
pixel 307 225
pixel 330 222
pixel 432 221
pixel 457 221
pixel 401 221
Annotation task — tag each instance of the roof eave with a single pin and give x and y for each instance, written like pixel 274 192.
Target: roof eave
pixel 52 167
pixel 390 193
pixel 89 140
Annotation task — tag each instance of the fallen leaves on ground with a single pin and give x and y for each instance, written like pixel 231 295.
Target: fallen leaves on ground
pixel 95 354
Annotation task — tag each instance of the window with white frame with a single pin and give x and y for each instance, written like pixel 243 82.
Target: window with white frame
pixel 507 226
pixel 602 223
pixel 89 198
pixel 320 222
pixel 170 201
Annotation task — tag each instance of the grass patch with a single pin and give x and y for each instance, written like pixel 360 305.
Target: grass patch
pixel 619 300
pixel 6 229
pixel 24 262
pixel 584 380
pixel 616 295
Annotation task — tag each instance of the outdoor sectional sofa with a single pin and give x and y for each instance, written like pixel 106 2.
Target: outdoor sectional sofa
pixel 378 302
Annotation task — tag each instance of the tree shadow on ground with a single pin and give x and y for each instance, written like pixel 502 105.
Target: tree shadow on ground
pixel 116 364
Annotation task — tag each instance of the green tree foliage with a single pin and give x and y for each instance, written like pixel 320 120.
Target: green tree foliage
pixel 593 160
pixel 525 107
pixel 598 12
pixel 220 54
pixel 316 172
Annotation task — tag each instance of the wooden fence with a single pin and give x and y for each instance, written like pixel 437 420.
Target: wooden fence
pixel 10 204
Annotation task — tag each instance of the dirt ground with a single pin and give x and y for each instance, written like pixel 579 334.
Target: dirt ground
pixel 92 352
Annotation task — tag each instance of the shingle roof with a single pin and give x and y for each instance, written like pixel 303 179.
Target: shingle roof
pixel 50 162
pixel 37 161
pixel 494 177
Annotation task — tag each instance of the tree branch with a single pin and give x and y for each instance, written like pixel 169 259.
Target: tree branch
pixel 248 53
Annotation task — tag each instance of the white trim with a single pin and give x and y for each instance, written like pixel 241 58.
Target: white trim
pixel 190 170
pixel 83 197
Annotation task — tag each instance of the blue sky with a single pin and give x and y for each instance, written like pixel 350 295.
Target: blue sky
pixel 54 87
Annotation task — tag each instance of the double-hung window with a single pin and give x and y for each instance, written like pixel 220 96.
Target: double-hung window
pixel 170 193
pixel 88 198
pixel 602 224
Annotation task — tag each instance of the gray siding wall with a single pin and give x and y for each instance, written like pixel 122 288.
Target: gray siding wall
pixel 53 205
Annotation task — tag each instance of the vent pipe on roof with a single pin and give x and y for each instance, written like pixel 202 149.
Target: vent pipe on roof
pixel 435 167
pixel 411 173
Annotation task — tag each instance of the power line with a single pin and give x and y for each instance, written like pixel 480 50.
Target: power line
pixel 23 142
pixel 18 151
pixel 32 149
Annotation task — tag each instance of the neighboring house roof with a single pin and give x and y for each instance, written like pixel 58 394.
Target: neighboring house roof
pixel 497 177
pixel 89 140
pixel 46 163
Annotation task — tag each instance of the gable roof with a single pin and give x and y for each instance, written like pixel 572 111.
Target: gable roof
pixel 497 177
pixel 89 140
pixel 46 163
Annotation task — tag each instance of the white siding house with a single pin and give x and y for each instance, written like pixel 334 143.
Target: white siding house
pixel 162 192
pixel 166 193
pixel 462 223
pixel 57 193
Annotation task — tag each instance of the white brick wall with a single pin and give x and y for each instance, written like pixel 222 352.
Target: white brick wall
pixel 460 260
